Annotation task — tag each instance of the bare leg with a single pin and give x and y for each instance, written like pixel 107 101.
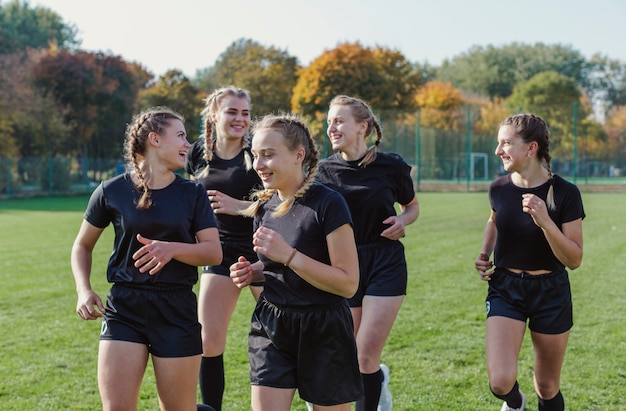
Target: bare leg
pixel 177 380
pixel 121 367
pixel 503 343
pixel 549 355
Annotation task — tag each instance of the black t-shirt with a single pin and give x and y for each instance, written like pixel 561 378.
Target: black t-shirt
pixel 231 178
pixel 311 218
pixel 371 192
pixel 177 213
pixel 520 243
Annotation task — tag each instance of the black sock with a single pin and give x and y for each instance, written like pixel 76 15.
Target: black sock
pixel 513 398
pixel 372 384
pixel 555 404
pixel 212 381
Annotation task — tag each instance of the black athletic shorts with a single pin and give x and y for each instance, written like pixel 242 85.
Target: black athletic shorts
pixel 163 318
pixel 383 271
pixel 545 300
pixel 311 349
pixel 231 251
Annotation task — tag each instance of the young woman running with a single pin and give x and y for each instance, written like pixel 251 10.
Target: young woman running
pixel 164 229
pixel 534 231
pixel 372 183
pixel 302 334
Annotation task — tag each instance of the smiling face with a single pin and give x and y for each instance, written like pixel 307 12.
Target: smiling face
pixel 278 167
pixel 173 144
pixel 344 132
pixel 514 152
pixel 232 119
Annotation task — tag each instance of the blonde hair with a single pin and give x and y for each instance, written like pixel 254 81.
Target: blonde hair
pixel 362 112
pixel 532 128
pixel 154 119
pixel 296 134
pixel 211 105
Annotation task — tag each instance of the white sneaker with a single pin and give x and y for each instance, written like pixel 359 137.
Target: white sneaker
pixel 309 406
pixel 385 402
pixel 505 407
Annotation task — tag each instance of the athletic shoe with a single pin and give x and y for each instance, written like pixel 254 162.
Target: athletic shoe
pixel 309 406
pixel 385 402
pixel 505 407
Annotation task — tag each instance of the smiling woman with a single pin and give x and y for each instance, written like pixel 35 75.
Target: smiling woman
pixel 164 228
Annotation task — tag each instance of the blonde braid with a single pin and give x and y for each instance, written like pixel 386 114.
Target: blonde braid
pixel 212 105
pixel 297 134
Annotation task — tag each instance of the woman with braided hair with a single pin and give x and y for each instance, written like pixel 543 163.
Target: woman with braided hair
pixel 164 229
pixel 535 232
pixel 372 183
pixel 302 334
pixel 222 162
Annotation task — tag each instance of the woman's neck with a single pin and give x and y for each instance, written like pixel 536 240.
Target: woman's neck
pixel 531 177
pixel 227 148
pixel 354 153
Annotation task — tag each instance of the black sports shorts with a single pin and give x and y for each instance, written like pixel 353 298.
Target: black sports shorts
pixel 231 251
pixel 383 271
pixel 311 349
pixel 163 318
pixel 545 300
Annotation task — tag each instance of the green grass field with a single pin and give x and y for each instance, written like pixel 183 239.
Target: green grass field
pixel 435 351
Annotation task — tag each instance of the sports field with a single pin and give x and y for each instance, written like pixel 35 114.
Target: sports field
pixel 435 352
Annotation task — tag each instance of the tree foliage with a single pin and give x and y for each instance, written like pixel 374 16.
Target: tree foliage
pixel 22 27
pixel 268 73
pixel 95 92
pixel 439 103
pixel 382 77
pixel 615 128
pixel 494 71
pixel 174 90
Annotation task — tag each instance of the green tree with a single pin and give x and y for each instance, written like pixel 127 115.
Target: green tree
pixel 607 82
pixel 268 73
pixel 174 90
pixel 494 71
pixel 22 27
pixel 554 97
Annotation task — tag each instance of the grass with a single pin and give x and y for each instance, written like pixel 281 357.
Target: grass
pixel 435 351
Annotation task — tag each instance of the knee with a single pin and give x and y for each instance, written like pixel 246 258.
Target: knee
pixel 546 388
pixel 502 384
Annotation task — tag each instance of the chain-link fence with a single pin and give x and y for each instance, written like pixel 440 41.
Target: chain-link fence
pixel 453 157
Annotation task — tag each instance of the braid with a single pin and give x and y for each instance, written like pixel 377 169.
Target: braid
pixel 154 119
pixel 362 112
pixel 297 134
pixel 211 106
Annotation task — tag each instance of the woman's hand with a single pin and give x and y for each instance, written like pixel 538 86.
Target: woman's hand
pixel 483 266
pixel 152 256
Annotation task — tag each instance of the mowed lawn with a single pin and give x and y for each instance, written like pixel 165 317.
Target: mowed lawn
pixel 435 351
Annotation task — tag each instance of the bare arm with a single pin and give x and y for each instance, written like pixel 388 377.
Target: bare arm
pixel 482 263
pixel 153 256
pixel 567 243
pixel 409 214
pixel 225 204
pixel 341 277
pixel 80 260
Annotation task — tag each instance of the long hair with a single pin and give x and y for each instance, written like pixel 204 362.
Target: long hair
pixel 154 119
pixel 211 105
pixel 533 128
pixel 296 134
pixel 362 112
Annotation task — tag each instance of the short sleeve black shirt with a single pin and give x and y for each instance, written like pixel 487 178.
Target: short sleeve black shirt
pixel 231 178
pixel 371 192
pixel 311 218
pixel 177 213
pixel 520 244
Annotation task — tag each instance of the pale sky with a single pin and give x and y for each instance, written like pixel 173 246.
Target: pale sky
pixel 191 34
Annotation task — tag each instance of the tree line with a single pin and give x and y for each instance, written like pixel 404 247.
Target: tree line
pixel 58 100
